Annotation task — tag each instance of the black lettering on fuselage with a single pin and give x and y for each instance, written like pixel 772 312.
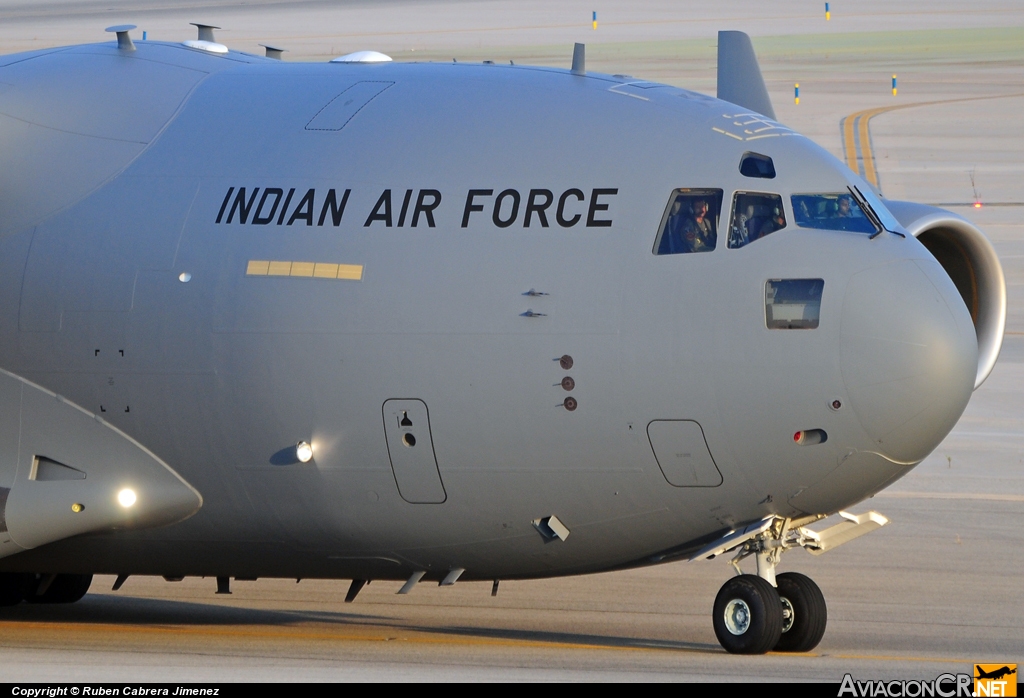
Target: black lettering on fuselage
pixel 560 212
pixel 426 209
pixel 513 214
pixel 595 207
pixel 284 209
pixel 224 204
pixel 304 209
pixel 405 207
pixel 337 210
pixel 257 217
pixel 241 206
pixel 274 204
pixel 471 207
pixel 377 215
pixel 532 206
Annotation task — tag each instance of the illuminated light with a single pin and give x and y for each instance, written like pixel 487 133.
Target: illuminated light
pixel 304 452
pixel 126 497
pixel 77 507
pixel 184 277
pixel 977 204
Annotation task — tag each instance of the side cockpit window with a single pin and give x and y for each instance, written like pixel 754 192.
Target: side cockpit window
pixel 754 216
pixel 839 211
pixel 690 223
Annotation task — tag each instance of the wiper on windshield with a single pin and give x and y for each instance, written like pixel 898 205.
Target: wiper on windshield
pixel 875 210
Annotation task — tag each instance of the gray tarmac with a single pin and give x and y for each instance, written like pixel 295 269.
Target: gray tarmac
pixel 935 591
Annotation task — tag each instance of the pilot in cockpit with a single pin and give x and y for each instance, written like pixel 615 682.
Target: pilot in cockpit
pixel 777 221
pixel 699 232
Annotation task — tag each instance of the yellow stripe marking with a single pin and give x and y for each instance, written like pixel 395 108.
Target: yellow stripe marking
pixel 861 121
pixel 264 633
pixel 280 269
pixel 850 142
pixel 325 271
pixel 257 268
pixel 308 270
pixel 302 268
pixel 954 495
pixel 350 271
pixel 733 135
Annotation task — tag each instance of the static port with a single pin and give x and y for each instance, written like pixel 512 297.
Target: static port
pixel 570 404
pixel 568 383
pixel 409 440
pixel 565 362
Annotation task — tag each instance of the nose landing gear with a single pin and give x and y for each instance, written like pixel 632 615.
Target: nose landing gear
pixel 754 614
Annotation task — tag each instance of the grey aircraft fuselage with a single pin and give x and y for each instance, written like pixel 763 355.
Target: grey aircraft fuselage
pixel 216 257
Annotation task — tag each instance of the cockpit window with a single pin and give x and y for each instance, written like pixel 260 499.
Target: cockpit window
pixel 690 223
pixel 757 165
pixel 755 216
pixel 838 211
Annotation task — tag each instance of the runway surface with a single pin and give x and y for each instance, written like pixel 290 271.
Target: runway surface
pixel 935 591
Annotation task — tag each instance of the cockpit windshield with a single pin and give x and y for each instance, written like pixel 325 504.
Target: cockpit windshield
pixel 839 211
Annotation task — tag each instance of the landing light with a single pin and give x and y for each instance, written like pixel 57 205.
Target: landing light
pixel 303 451
pixel 126 497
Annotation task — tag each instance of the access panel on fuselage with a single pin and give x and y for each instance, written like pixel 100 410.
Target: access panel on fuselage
pixel 407 429
pixel 682 453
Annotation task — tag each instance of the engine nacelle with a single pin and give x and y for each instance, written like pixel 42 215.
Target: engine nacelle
pixel 971 262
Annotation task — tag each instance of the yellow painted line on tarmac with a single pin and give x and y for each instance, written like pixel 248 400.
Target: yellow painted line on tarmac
pixel 857 132
pixel 953 495
pixel 887 658
pixel 72 630
pixel 850 142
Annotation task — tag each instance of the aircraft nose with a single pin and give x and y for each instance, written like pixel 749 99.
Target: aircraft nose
pixel 909 355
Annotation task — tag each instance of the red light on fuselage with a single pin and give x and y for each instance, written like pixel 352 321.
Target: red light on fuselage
pixel 977 204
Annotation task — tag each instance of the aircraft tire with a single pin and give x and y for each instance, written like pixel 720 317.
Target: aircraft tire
pixel 748 615
pixel 12 589
pixel 809 613
pixel 66 588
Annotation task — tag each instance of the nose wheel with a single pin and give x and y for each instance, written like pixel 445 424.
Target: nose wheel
pixel 804 613
pixel 748 615
pixel 752 617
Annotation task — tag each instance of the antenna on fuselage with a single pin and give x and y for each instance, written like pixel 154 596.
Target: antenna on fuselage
pixel 124 41
pixel 205 31
pixel 739 75
pixel 579 59
pixel 273 51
